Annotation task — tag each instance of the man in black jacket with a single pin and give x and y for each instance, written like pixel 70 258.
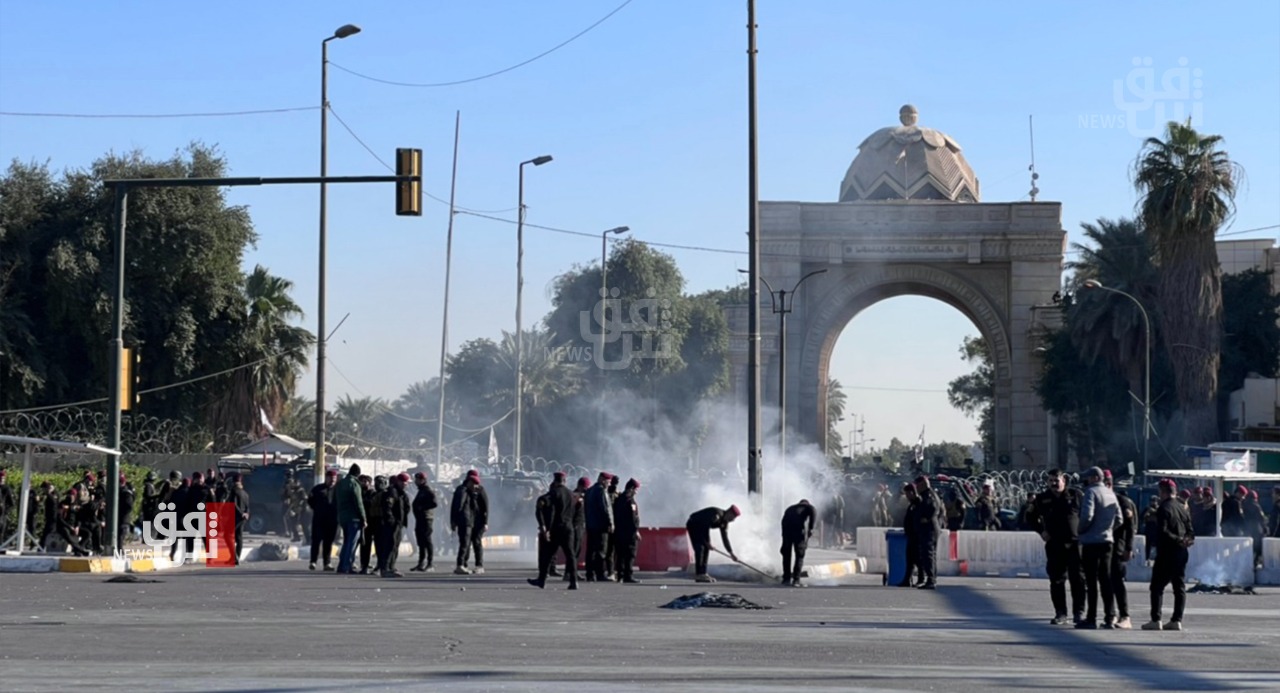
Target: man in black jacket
pixel 324 519
pixel 469 517
pixel 424 510
pixel 1171 536
pixel 909 521
pixel 1125 530
pixel 797 527
pixel 626 531
pixel 555 532
pixel 395 517
pixel 928 527
pixel 599 512
pixel 699 527
pixel 240 497
pixel 126 500
pixel 371 490
pixel 1056 517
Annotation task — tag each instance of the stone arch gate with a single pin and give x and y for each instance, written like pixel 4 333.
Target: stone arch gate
pixel 997 263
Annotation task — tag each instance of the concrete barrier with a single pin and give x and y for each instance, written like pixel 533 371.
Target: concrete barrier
pixel 1221 561
pixel 1270 573
pixel 28 564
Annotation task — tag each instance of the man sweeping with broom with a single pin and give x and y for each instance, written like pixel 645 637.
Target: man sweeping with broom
pixel 699 527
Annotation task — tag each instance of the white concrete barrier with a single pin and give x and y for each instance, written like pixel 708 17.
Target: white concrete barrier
pixel 1221 561
pixel 1270 573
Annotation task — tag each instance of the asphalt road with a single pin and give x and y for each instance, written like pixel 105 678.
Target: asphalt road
pixel 279 627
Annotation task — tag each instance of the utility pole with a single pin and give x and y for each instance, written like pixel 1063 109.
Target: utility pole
pixel 754 443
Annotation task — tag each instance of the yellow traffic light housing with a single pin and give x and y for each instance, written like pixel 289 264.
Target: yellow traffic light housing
pixel 409 193
pixel 130 377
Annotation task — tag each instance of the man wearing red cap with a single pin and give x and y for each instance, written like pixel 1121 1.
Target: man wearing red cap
pixel 599 518
pixel 579 527
pixel 626 531
pixel 1233 512
pixel 699 528
pixel 1171 536
pixel 424 510
pixel 469 517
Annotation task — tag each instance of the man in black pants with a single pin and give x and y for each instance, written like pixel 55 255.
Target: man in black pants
pixel 1171 535
pixel 469 517
pixel 424 509
pixel 555 532
pixel 240 497
pixel 797 527
pixel 395 517
pixel 599 511
pixel 1099 513
pixel 928 512
pixel 1123 534
pixel 1055 515
pixel 324 519
pixel 909 522
pixel 626 532
pixel 699 528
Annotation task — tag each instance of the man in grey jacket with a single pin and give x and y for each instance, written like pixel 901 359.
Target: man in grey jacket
pixel 1099 514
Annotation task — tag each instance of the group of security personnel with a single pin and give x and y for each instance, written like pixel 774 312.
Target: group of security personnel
pixel 922 523
pixel 1089 540
pixel 607 518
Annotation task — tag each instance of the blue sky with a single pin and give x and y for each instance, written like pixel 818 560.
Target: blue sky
pixel 645 116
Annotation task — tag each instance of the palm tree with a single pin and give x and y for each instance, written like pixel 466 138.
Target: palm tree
pixel 1104 325
pixel 1188 188
pixel 549 377
pixel 274 353
pixel 298 419
pixel 836 400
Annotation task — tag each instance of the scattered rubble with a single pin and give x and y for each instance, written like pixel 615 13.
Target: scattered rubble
pixel 130 578
pixel 1202 588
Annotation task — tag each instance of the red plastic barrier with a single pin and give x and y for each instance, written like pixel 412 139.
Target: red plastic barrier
pixel 663 548
pixel 954 554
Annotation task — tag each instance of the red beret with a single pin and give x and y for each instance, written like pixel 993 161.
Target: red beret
pixel 734 509
pixel 473 474
pixel 331 472
pixel 404 477
pixel 632 483
pixel 1184 494
pixel 1242 489
pixel 584 481
pixel 1106 474
pixel 89 476
pixel 420 476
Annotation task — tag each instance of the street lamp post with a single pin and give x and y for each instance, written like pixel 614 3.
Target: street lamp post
pixel 536 161
pixel 778 302
pixel 604 304
pixel 343 32
pixel 1146 397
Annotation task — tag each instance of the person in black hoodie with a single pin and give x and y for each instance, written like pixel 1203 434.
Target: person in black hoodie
pixel 469 517
pixel 1056 517
pixel 797 527
pixel 1171 536
pixel 699 527
pixel 626 532
pixel 395 517
pixel 555 511
pixel 424 510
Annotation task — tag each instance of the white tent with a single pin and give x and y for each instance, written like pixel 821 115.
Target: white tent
pixel 20 538
pixel 1219 477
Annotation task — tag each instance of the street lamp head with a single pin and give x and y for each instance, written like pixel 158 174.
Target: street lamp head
pixel 1093 284
pixel 540 160
pixel 619 230
pixel 346 30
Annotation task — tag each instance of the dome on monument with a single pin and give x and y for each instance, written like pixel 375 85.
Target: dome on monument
pixel 908 162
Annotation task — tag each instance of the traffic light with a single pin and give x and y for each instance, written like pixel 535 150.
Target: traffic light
pixel 130 376
pixel 409 193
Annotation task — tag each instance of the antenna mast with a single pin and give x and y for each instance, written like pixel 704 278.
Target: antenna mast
pixel 1032 168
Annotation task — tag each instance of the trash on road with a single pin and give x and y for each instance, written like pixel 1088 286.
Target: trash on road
pixel 718 601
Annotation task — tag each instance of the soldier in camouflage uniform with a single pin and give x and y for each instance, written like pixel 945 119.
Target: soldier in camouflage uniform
pixel 293 499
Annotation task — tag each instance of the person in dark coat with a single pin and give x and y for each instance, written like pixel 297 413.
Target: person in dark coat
pixel 928 526
pixel 324 519
pixel 68 526
pixel 125 503
pixel 49 510
pixel 626 531
pixel 1233 512
pixel 469 517
pixel 1172 535
pixel 395 518
pixel 196 494
pixel 178 497
pixel 579 527
pixel 914 576
pixel 1255 525
pixel 1124 533
pixel 240 497
pixel 371 490
pixel 555 532
pixel 699 527
pixel 797 528
pixel 1056 517
pixel 610 557
pixel 424 510
pixel 599 513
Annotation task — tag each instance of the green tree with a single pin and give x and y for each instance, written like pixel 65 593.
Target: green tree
pixel 1251 341
pixel 1188 187
pixel 298 420
pixel 974 393
pixel 275 351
